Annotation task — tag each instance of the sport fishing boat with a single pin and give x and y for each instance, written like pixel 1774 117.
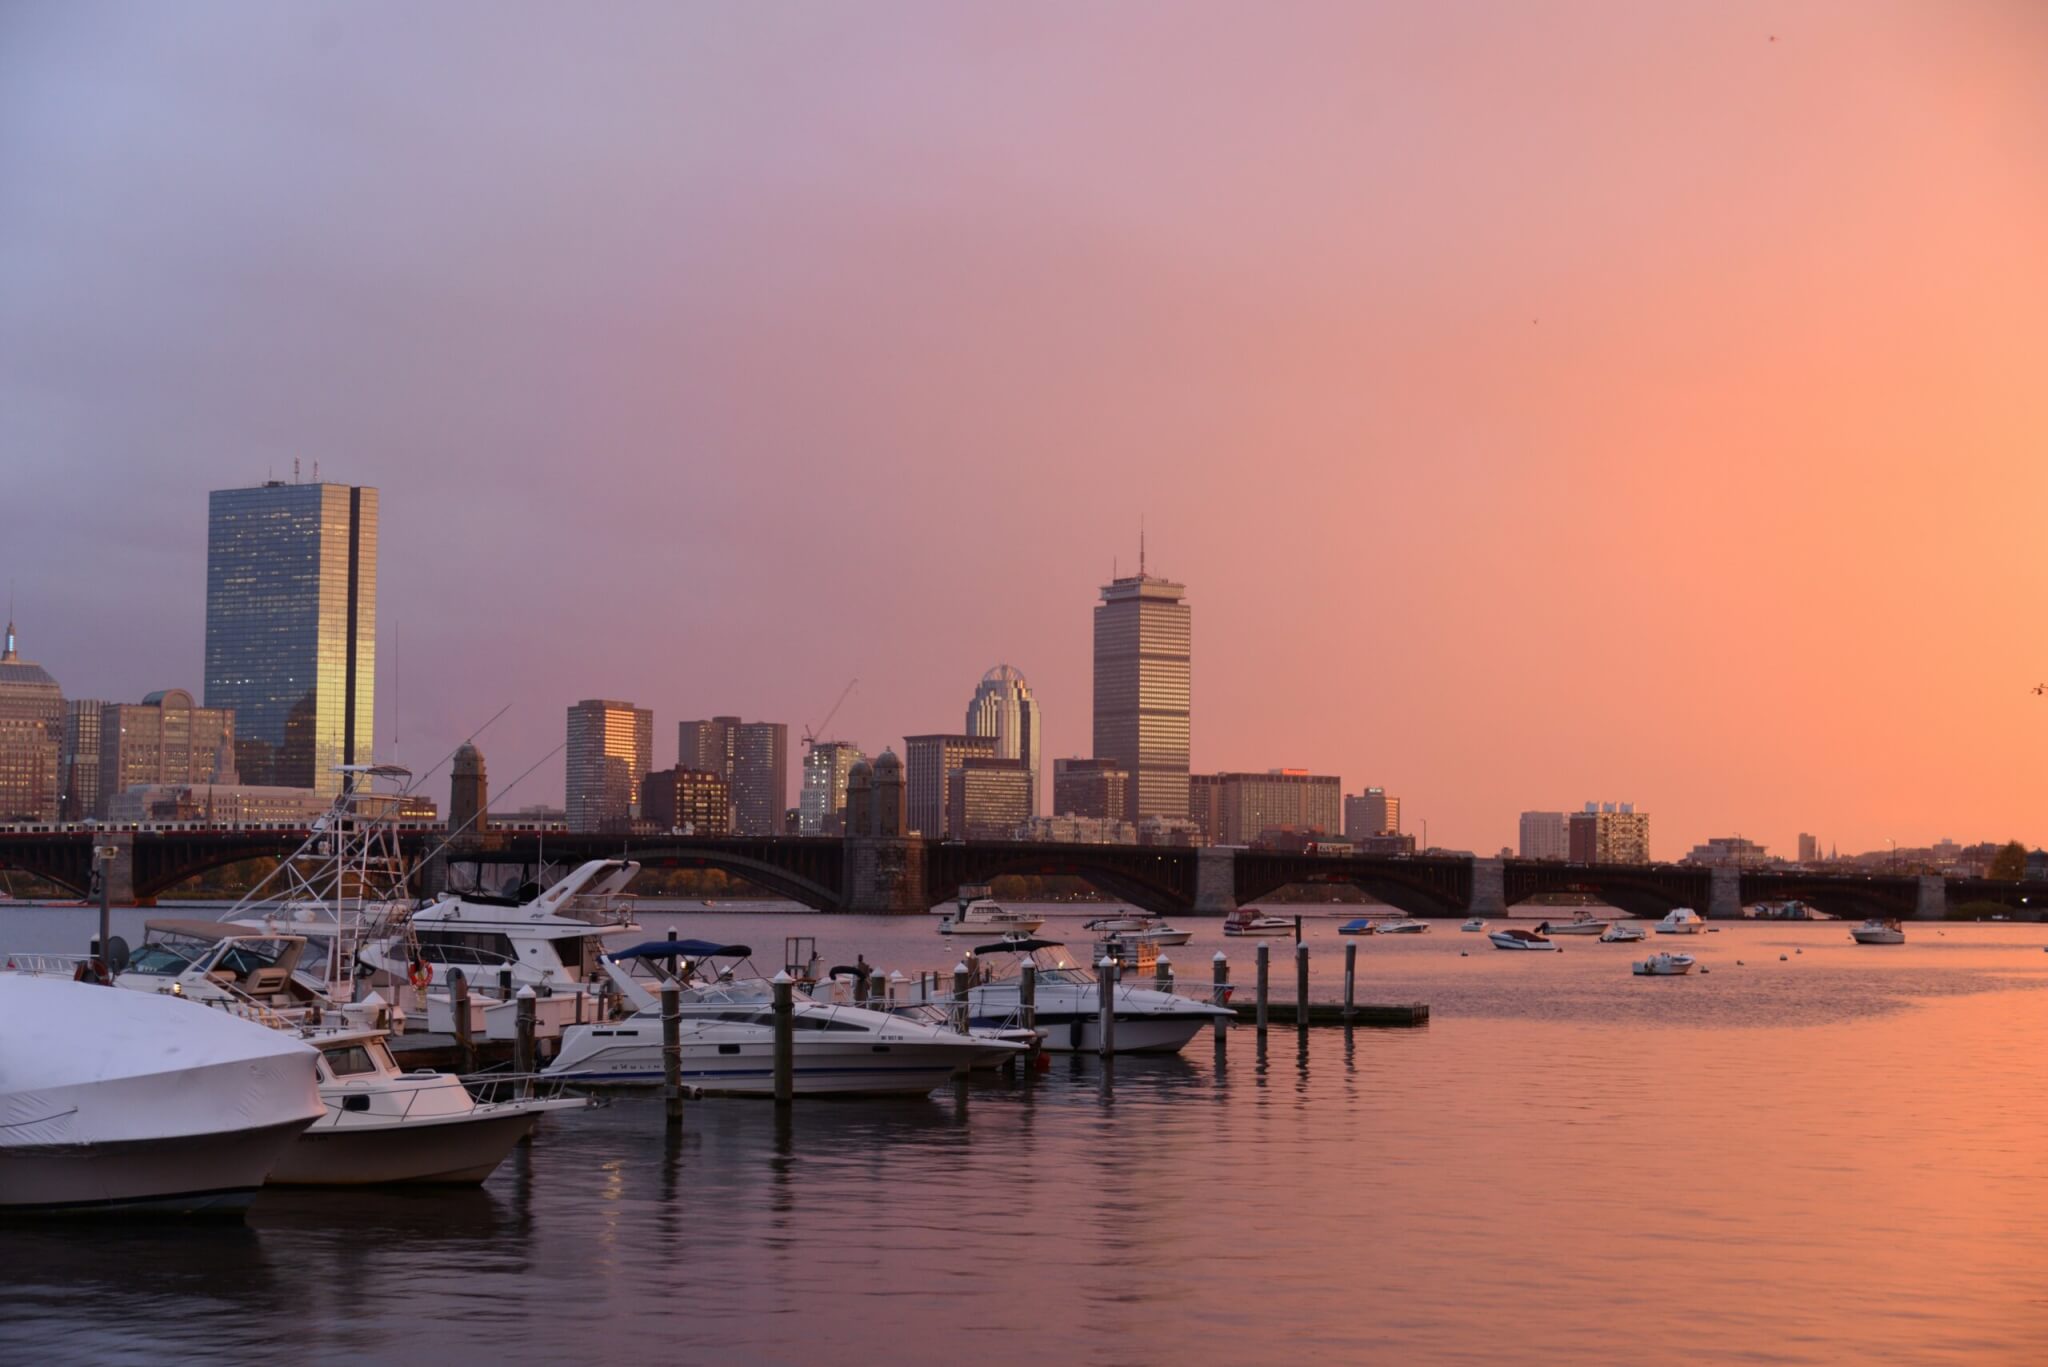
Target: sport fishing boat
pixel 1681 921
pixel 125 1102
pixel 1663 966
pixel 977 913
pixel 728 1033
pixel 1068 1002
pixel 1621 933
pixel 1515 937
pixel 1585 923
pixel 1879 931
pixel 1252 921
pixel 1136 927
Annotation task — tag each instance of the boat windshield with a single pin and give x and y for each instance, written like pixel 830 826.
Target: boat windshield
pixel 168 955
pixel 355 1060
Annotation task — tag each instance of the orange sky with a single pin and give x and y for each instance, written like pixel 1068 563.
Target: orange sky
pixel 1594 400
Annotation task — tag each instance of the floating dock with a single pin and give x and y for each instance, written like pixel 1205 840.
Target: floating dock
pixel 1383 1015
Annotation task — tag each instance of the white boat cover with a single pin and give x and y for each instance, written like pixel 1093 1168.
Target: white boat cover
pixel 85 1064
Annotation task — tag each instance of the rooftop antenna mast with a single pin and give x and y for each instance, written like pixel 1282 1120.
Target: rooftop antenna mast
pixel 1141 545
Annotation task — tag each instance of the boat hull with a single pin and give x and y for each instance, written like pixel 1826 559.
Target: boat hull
pixel 1878 937
pixel 1136 1034
pixel 205 1175
pixel 459 1151
pixel 857 1068
pixel 1578 928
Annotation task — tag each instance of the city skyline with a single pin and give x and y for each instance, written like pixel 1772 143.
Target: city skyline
pixel 1735 352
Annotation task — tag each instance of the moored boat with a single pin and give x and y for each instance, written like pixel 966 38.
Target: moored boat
pixel 1681 921
pixel 1621 933
pixel 1663 966
pixel 1136 927
pixel 1477 923
pixel 1585 923
pixel 976 913
pixel 1515 937
pixel 1252 921
pixel 1879 931
pixel 1068 1002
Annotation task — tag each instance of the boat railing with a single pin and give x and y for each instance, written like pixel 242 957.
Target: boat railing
pixel 607 909
pixel 496 1089
pixel 45 965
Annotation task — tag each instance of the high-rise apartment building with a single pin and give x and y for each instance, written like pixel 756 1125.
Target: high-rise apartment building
pixel 1243 808
pixel 78 761
pixel 1142 643
pixel 688 801
pixel 291 628
pixel 753 759
pixel 988 799
pixel 1004 710
pixel 929 765
pixel 1809 848
pixel 1543 836
pixel 1609 833
pixel 821 804
pixel 165 738
pixel 611 748
pixel 1372 812
pixel 1205 805
pixel 1094 788
pixel 31 734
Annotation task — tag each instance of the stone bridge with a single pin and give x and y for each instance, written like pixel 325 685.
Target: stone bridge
pixel 870 875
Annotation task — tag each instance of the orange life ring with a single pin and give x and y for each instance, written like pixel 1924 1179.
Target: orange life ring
pixel 421 973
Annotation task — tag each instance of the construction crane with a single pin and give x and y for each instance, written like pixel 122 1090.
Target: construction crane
pixel 811 737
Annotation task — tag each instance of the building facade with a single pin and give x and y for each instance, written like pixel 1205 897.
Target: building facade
pixel 291 628
pixel 611 748
pixel 165 739
pixel 469 795
pixel 929 765
pixel 1729 852
pixel 988 799
pixel 1096 789
pixel 821 805
pixel 687 802
pixel 1609 833
pixel 1809 848
pixel 31 735
pixel 1142 652
pixel 219 804
pixel 1003 710
pixel 78 761
pixel 1372 812
pixel 753 759
pixel 1244 808
pixel 1544 836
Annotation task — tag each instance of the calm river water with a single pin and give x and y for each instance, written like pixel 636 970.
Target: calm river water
pixel 1837 1156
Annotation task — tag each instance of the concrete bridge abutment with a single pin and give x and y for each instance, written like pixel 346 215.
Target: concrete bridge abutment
pixel 885 874
pixel 1489 888
pixel 1215 881
pixel 1724 896
pixel 1932 903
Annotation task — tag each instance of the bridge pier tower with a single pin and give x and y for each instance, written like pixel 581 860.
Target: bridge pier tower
pixel 1215 881
pixel 1489 888
pixel 1724 898
pixel 1933 900
pixel 885 874
pixel 120 874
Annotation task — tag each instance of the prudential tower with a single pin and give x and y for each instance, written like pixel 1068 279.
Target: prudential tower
pixel 1141 690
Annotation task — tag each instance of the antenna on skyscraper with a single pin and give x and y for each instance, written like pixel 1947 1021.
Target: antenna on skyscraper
pixel 1141 545
pixel 295 469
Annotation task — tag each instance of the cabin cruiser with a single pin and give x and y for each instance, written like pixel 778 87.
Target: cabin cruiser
pixel 728 1033
pixel 1068 1002
pixel 1136 926
pixel 1252 921
pixel 1879 931
pixel 1515 937
pixel 1681 921
pixel 1585 923
pixel 1476 923
pixel 1621 933
pixel 1664 966
pixel 382 1126
pixel 124 1102
pixel 977 913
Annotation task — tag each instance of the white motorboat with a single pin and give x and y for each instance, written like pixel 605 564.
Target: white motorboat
pixel 1068 1002
pixel 1621 933
pixel 1681 921
pixel 385 1127
pixel 1585 923
pixel 1476 923
pixel 124 1102
pixel 977 913
pixel 1879 931
pixel 1515 937
pixel 1252 921
pixel 1136 927
pixel 1403 925
pixel 728 1034
pixel 1663 966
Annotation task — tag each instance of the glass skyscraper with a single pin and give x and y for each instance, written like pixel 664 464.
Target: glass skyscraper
pixel 610 750
pixel 291 628
pixel 1002 708
pixel 1141 691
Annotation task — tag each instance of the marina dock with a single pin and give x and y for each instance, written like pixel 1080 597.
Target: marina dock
pixel 1375 1015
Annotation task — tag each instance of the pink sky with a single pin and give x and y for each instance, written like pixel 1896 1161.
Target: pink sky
pixel 1542 403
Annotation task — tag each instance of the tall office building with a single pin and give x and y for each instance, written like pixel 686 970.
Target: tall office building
pixel 988 799
pixel 1142 639
pixel 291 628
pixel 929 764
pixel 1093 788
pixel 1240 809
pixel 1004 710
pixel 822 803
pixel 687 801
pixel 164 739
pixel 1609 833
pixel 752 757
pixel 78 761
pixel 31 734
pixel 1543 836
pixel 1809 848
pixel 611 748
pixel 1372 812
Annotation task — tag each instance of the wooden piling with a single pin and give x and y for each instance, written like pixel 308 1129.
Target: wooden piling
pixel 1027 1005
pixel 465 1044
pixel 785 1038
pixel 1350 979
pixel 523 1062
pixel 963 978
pixel 1265 962
pixel 1162 973
pixel 1301 982
pixel 1105 982
pixel 1219 978
pixel 672 1051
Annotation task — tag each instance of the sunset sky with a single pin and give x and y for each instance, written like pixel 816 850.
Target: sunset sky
pixel 1541 402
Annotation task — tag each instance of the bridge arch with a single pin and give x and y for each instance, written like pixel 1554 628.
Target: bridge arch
pixel 776 878
pixel 1154 878
pixel 1646 890
pixel 1419 887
